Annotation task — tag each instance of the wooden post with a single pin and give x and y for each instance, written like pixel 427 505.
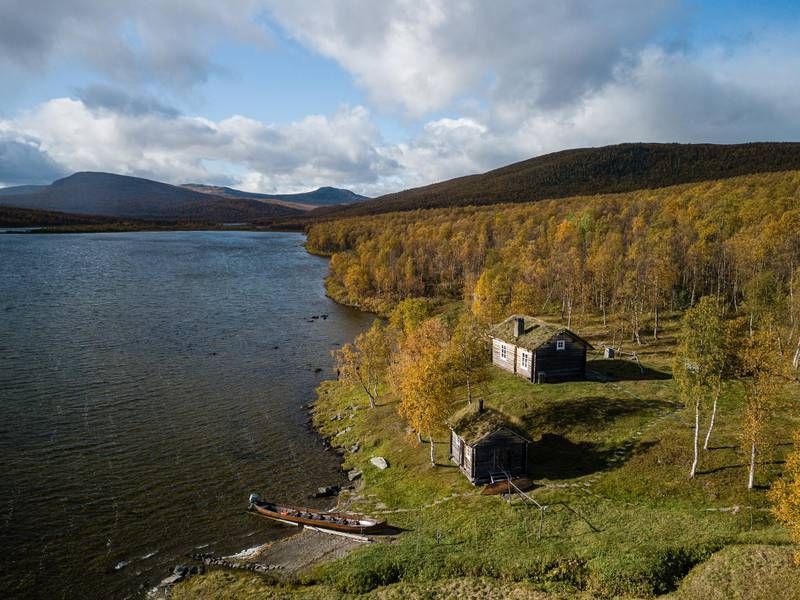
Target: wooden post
pixel 541 521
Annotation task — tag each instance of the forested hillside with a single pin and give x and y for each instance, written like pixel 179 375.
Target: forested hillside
pixel 632 255
pixel 11 216
pixel 583 171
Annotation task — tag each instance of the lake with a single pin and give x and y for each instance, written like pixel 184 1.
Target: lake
pixel 148 383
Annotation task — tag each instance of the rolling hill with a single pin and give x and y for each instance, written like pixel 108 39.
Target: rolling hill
pixel 587 171
pixel 324 196
pixel 121 196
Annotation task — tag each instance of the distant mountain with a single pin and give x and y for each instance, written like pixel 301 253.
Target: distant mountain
pixel 121 196
pixel 583 171
pixel 324 196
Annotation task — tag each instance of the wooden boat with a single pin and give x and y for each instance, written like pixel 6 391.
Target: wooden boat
pixel 523 484
pixel 316 518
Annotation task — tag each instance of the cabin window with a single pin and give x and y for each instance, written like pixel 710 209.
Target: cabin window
pixel 503 351
pixel 560 344
pixel 526 360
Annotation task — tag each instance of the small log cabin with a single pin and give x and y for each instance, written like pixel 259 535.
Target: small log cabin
pixel 537 351
pixel 486 446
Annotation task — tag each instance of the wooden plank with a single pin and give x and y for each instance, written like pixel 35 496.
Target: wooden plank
pixel 508 363
pixel 352 536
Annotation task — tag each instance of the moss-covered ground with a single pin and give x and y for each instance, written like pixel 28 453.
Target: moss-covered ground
pixel 610 461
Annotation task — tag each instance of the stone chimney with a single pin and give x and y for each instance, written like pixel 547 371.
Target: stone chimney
pixel 519 326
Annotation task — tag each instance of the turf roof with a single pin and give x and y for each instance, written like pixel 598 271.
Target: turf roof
pixel 535 334
pixel 472 424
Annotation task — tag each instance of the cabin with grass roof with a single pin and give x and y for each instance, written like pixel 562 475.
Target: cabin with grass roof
pixel 487 445
pixel 538 351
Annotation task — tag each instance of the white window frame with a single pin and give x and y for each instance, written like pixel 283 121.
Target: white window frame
pixel 561 344
pixel 503 352
pixel 525 360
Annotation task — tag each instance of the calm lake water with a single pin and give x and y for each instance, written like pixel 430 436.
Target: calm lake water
pixel 148 383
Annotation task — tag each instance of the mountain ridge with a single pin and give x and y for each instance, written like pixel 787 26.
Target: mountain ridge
pixel 128 197
pixel 586 171
pixel 322 196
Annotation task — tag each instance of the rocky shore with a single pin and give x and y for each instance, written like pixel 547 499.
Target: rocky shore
pixel 290 555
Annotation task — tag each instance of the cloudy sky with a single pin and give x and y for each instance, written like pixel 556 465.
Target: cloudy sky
pixel 289 95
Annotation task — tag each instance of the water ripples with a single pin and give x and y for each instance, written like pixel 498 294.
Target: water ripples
pixel 142 399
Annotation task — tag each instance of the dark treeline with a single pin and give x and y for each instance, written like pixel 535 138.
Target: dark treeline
pixel 628 256
pixel 584 171
pixel 11 216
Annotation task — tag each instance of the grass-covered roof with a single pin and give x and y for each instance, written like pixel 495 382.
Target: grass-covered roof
pixel 473 424
pixel 536 332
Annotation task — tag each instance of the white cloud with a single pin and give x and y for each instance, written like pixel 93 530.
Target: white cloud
pixel 420 55
pixel 505 82
pixel 166 41
pixel 341 149
pixel 716 97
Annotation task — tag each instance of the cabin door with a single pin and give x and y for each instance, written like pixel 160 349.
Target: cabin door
pixel 502 459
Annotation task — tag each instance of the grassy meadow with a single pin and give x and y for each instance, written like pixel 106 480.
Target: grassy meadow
pixel 610 461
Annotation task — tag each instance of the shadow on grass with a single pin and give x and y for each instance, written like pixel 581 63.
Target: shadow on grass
pixel 625 370
pixel 590 412
pixel 389 530
pixel 718 469
pixel 556 457
pixel 386 403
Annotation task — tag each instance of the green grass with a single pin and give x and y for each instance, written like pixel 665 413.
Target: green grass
pixel 615 453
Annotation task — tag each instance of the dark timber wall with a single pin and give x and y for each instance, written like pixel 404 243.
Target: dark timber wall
pixel 500 451
pixel 551 364
pixel 547 363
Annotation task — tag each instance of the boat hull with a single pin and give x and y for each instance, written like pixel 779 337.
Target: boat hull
pixel 315 518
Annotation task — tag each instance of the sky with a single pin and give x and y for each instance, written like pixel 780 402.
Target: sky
pixel 289 95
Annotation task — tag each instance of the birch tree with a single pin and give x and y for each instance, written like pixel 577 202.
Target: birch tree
pixel 785 495
pixel 760 371
pixel 699 362
pixel 421 378
pixel 365 361
pixel 723 363
pixel 467 353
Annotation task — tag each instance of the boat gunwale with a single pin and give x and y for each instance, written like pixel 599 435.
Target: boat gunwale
pixel 261 507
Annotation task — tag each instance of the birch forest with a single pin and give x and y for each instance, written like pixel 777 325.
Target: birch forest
pixel 626 258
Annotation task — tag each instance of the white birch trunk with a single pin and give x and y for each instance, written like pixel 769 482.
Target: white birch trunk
pixel 751 478
pixel 796 360
pixel 713 417
pixel 603 307
pixel 696 438
pixel 433 450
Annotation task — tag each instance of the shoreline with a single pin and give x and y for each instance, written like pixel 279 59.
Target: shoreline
pixel 124 227
pixel 284 559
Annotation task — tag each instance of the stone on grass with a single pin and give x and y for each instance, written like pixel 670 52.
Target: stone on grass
pixel 379 462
